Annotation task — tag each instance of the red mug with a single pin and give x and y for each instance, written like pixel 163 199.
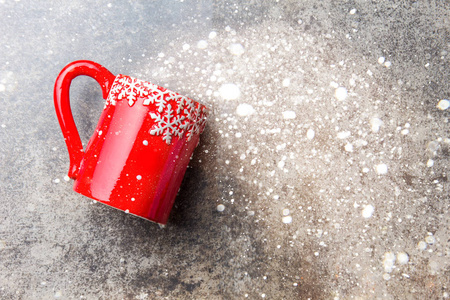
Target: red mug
pixel 137 157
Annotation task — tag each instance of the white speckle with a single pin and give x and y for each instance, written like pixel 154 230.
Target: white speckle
pixel 367 212
pixel 375 124
pixel 381 169
pixel 310 134
pixel 443 104
pixel 244 110
pixel 286 219
pixel 100 132
pixel 145 142
pixel 3 125
pixel 263 295
pixel 388 262
pixel 387 64
pixel 139 177
pixel 212 35
pixel 281 164
pixel 56 180
pixel 132 199
pixel 66 178
pixel 365 170
pixel 285 212
pixel 316 253
pixel 127 211
pixel 58 294
pixel 229 91
pixel 43 283
pixel 422 245
pixel 343 135
pixel 227 162
pixel 2 87
pixel 202 44
pixel 186 47
pixel 286 82
pixel 386 276
pixel 243 156
pixel 353 11
pixel 348 147
pixel 109 5
pixel 430 240
pixel 405 131
pixel 236 49
pixel 402 258
pixel 341 93
pixel 238 134
pixel 445 295
pixel 289 115
pixel 220 207
pixel 370 73
pixel 381 60
pixel 430 163
pixel 253 162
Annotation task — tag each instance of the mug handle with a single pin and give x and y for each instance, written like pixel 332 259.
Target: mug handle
pixel 62 104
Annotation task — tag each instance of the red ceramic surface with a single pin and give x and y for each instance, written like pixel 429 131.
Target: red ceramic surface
pixel 137 157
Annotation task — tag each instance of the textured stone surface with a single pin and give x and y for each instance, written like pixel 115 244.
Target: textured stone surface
pixel 322 173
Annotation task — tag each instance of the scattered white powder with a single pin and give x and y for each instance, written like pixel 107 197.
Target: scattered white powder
pixel 375 124
pixel 422 245
pixel 244 110
pixel 212 35
pixel 387 64
pixel 430 239
pixel 310 134
pixel 286 219
pixel 353 11
pixel 145 142
pixel 139 177
pixel 348 147
pixel 381 60
pixel 286 82
pixel 341 93
pixel 202 44
pixel 388 262
pixel 229 91
pixel 402 258
pixel 430 163
pixel 386 276
pixel 186 47
pixel 343 135
pixel 220 207
pixel 381 169
pixel 289 114
pixel 286 212
pixel 236 49
pixel 443 104
pixel 368 211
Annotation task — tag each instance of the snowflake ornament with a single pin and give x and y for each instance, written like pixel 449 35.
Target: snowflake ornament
pixel 129 88
pixel 167 124
pixel 174 115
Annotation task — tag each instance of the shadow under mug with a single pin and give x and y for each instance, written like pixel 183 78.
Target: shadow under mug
pixel 141 147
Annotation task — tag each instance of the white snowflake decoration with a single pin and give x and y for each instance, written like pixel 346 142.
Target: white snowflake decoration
pixel 167 124
pixel 174 115
pixel 129 88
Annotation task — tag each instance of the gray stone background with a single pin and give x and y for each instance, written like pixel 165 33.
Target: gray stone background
pixel 327 149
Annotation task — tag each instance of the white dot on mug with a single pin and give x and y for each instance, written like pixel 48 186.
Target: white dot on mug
pixel 127 211
pixel 139 177
pixel 145 142
pixel 132 199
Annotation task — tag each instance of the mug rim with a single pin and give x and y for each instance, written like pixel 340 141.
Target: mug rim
pixel 206 106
